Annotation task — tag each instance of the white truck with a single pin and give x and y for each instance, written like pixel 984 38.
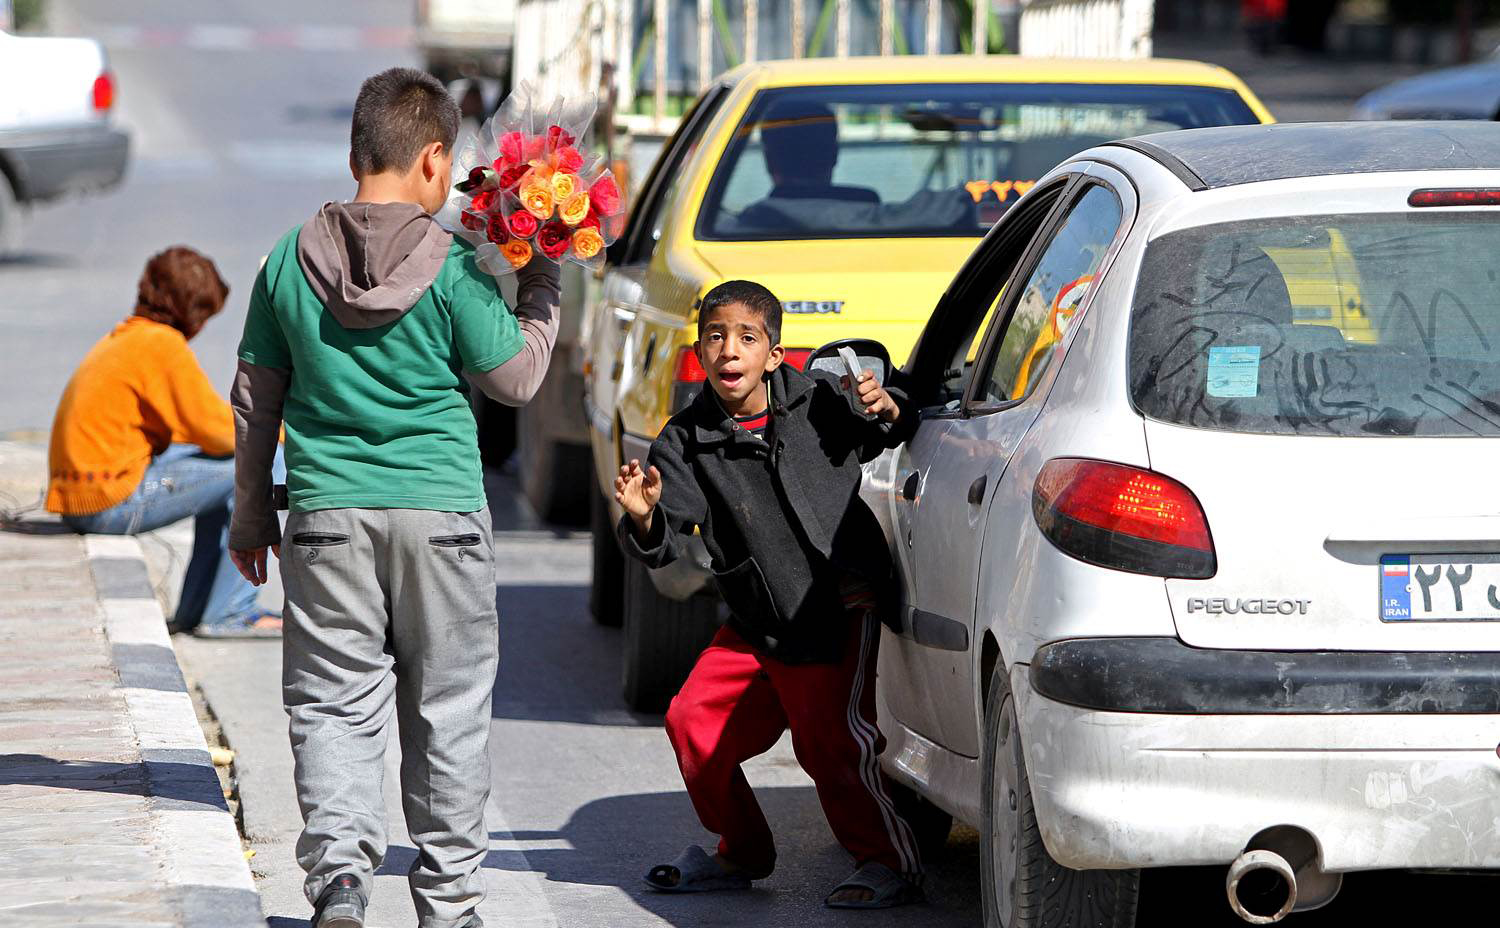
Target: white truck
pixel 56 137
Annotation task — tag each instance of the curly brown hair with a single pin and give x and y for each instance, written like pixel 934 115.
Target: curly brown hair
pixel 181 288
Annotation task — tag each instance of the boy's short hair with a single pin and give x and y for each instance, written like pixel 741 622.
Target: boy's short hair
pixel 755 297
pixel 399 112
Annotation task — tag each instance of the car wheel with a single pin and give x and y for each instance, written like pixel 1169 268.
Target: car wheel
pixel 552 472
pixel 10 218
pixel 607 592
pixel 497 432
pixel 1023 887
pixel 930 825
pixel 663 638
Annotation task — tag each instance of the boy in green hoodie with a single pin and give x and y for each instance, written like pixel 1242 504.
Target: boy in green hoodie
pixel 367 325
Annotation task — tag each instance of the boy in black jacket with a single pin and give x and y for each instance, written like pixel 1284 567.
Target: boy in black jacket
pixel 767 464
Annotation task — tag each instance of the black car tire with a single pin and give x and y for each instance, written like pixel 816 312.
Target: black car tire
pixel 663 638
pixel 497 432
pixel 1022 886
pixel 10 218
pixel 554 475
pixel 930 825
pixel 607 591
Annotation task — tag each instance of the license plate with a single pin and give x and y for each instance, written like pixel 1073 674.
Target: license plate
pixel 1440 588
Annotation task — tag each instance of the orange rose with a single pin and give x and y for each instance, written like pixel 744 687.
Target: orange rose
pixel 587 242
pixel 536 196
pixel 563 186
pixel 575 210
pixel 516 252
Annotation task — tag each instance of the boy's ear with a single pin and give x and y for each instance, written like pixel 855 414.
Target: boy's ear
pixel 432 160
pixel 353 169
pixel 774 359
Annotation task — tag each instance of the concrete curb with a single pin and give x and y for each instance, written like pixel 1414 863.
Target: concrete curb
pixel 196 839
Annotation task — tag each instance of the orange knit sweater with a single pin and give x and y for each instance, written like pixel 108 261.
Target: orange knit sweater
pixel 139 390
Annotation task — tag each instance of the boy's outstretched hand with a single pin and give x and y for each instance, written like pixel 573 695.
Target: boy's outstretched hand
pixel 873 397
pixel 638 491
pixel 252 563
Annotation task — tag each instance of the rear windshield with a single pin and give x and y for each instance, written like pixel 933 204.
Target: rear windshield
pixel 1380 324
pixel 923 159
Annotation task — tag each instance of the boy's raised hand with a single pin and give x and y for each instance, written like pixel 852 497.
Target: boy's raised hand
pixel 638 491
pixel 873 397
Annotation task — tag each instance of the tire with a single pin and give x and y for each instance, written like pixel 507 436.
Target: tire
pixel 607 592
pixel 10 218
pixel 497 432
pixel 663 638
pixel 554 475
pixel 930 825
pixel 1022 886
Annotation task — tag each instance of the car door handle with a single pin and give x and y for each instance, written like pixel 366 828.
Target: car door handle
pixel 909 488
pixel 976 490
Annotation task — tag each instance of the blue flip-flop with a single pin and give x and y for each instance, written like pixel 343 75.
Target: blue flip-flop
pixel 888 889
pixel 694 871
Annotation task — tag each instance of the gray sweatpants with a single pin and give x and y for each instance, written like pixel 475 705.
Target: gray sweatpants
pixel 392 609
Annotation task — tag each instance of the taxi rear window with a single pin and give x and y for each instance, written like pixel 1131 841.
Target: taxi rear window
pixel 923 159
pixel 1369 325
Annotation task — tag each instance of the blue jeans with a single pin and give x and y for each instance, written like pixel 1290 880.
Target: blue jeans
pixel 181 482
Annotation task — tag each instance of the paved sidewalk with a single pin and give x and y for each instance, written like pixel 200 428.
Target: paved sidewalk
pixel 110 811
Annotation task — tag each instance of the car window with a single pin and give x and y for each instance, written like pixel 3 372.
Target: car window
pixel 922 159
pixel 950 346
pixel 1369 324
pixel 662 185
pixel 1051 295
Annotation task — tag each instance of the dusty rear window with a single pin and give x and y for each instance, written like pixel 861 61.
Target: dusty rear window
pixel 1378 324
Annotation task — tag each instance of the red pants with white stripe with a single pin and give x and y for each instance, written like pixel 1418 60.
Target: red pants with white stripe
pixel 735 705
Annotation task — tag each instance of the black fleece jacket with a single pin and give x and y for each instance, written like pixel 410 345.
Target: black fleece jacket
pixel 781 518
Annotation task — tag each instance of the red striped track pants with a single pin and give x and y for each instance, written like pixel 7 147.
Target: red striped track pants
pixel 735 705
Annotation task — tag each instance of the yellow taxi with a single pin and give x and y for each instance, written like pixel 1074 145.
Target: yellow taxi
pixel 853 189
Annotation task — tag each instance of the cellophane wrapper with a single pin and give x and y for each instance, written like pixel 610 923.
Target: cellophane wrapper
pixel 523 186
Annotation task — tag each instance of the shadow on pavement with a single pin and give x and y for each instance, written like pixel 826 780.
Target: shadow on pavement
pixel 556 663
pixel 614 841
pixel 165 783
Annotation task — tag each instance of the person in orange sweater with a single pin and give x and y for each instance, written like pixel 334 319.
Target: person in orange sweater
pixel 141 440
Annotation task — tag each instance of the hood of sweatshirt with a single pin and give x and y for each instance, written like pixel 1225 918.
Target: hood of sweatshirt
pixel 371 262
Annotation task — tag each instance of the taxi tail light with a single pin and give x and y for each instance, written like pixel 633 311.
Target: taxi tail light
pixel 688 372
pixel 1123 518
pixel 1468 196
pixel 104 92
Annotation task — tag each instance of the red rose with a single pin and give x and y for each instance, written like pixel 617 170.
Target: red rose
pixel 472 221
pixel 553 239
pixel 512 147
pixel 482 201
pixel 558 137
pixel 511 178
pixel 568 160
pixel 522 224
pixel 605 195
pixel 535 148
pixel 591 221
pixel 496 230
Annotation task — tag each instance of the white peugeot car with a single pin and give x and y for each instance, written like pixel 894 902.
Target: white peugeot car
pixel 1199 530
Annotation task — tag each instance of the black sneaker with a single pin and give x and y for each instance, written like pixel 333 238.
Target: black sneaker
pixel 341 905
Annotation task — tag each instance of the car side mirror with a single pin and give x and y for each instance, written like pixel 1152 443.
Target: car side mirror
pixel 871 355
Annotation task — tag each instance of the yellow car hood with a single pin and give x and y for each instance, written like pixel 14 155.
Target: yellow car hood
pixel 846 288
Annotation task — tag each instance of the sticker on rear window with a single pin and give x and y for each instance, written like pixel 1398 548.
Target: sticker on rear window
pixel 1234 370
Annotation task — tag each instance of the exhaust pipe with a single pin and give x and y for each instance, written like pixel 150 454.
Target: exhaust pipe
pixel 1262 887
pixel 1277 873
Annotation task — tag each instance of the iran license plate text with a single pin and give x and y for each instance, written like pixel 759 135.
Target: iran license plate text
pixel 1440 588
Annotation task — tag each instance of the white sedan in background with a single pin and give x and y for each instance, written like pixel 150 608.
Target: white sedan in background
pixel 1199 531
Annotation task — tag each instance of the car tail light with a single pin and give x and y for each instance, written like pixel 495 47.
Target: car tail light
pixel 797 357
pixel 689 372
pixel 104 91
pixel 1473 196
pixel 1123 517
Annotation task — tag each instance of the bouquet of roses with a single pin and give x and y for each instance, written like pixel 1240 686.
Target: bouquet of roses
pixel 523 186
